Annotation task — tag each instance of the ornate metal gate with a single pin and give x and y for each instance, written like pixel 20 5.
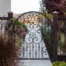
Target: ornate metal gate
pixel 33 45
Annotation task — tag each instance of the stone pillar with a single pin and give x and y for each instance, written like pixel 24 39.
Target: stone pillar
pixel 5 6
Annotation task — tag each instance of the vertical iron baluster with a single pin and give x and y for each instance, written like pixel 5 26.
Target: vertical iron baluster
pixel 31 50
pixel 34 50
pixel 59 31
pixel 37 50
pixel 28 50
pixel 59 36
pixel 48 26
pixel 40 50
pixel 60 43
pixel 51 55
pixel 45 25
pixel 65 36
pixel 23 51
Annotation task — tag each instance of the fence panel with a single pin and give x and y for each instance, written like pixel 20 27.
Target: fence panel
pixel 61 39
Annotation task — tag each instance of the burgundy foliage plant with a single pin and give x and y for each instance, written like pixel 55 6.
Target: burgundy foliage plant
pixel 52 5
pixel 8 49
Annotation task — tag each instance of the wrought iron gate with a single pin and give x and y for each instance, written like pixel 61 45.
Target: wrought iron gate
pixel 34 45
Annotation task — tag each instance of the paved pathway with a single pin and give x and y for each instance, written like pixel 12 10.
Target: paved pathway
pixel 35 63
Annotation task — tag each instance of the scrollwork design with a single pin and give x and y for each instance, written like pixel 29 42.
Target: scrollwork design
pixel 44 52
pixel 33 37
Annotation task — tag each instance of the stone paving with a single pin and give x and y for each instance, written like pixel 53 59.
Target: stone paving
pixel 35 63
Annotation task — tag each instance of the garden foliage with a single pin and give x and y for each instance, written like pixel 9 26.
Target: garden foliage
pixel 49 15
pixel 46 35
pixel 54 6
pixel 18 23
pixel 61 42
pixel 7 52
pixel 46 32
pixel 59 63
pixel 8 49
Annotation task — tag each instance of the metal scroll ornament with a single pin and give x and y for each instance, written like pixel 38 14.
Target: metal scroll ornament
pixel 34 34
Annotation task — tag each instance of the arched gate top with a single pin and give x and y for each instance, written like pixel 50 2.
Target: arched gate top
pixel 30 12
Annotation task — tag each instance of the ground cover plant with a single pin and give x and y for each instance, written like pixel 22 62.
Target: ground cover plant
pixel 59 63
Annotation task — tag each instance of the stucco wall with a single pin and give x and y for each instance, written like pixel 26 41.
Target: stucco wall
pixel 5 6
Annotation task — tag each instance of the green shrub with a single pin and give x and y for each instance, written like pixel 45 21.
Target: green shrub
pixel 17 23
pixel 46 32
pixel 59 63
pixel 61 42
pixel 49 15
pixel 46 29
pixel 20 33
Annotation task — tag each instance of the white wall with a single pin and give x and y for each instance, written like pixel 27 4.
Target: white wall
pixel 5 6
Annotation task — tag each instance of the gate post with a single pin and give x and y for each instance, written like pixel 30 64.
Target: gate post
pixel 55 27
pixel 10 16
